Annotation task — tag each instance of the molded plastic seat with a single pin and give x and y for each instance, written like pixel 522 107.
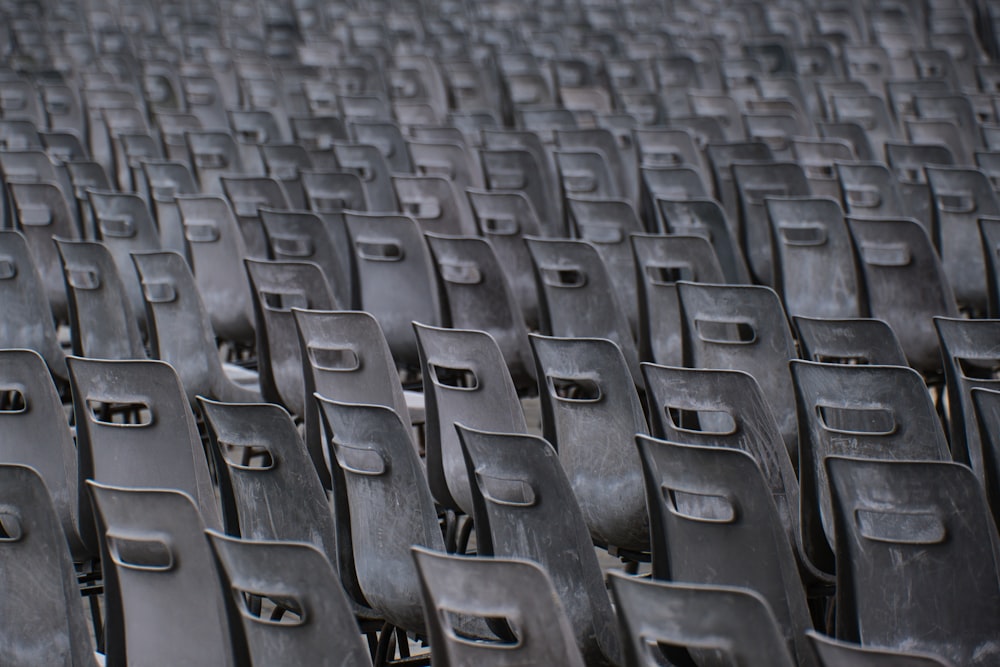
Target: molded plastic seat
pixel 302 236
pixel 521 169
pixel 817 158
pixel 324 633
pixel 815 269
pixel 27 318
pixel 882 412
pixel 590 413
pixel 386 136
pixel 180 332
pixel 713 521
pixel 908 161
pixel 705 217
pixel 607 224
pixel 870 190
pixel 41 212
pixel 247 195
pixel 743 327
pixel 368 164
pixel 277 288
pixel 213 154
pixel 34 432
pixel 961 197
pixel 164 182
pixel 754 183
pixel 658 617
pixel 151 442
pixel 834 653
pixel 858 340
pixel 721 158
pixel 44 621
pixel 525 508
pixel 465 381
pixel 478 297
pixel 905 285
pixel 897 523
pixel 102 324
pixel 389 504
pixel 577 297
pixel 395 278
pixel 660 262
pixel 158 561
pixel 969 354
pixel 434 202
pixel 217 251
pixel 504 219
pixel 516 592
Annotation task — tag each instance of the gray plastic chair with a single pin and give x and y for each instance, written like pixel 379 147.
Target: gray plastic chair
pixel 590 413
pixel 298 576
pixel 27 321
pixel 525 508
pixel 905 285
pixel 158 560
pixel 660 262
pixel 704 217
pixel 181 334
pixel 732 625
pixel 465 380
pixel 713 521
pixel 102 323
pixel 43 618
pixel 518 593
pixel 897 523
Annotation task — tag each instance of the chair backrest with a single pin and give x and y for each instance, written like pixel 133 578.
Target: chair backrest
pixel 606 224
pixel 721 157
pixel 525 508
pixel 517 592
pixel 479 297
pixel 743 327
pixel 836 653
pixel 27 319
pixel 969 357
pixel 869 189
pixel 247 195
pixel 389 502
pixel 525 169
pixel 102 323
pixel 815 269
pixel 577 297
pixel 395 278
pixel 41 598
pixel 319 628
pixel 466 381
pixel 658 617
pixel 34 432
pixel 303 236
pixel 852 340
pixel 590 413
pixel 897 523
pixel 180 331
pixel 217 251
pixel 277 288
pixel 754 183
pixel 135 428
pixel 662 260
pixel 703 216
pixel 905 285
pixel 125 225
pixel 158 560
pixel 864 411
pixel 41 212
pixel 504 219
pixel 367 162
pixel 961 196
pixel 435 203
pixel 713 521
